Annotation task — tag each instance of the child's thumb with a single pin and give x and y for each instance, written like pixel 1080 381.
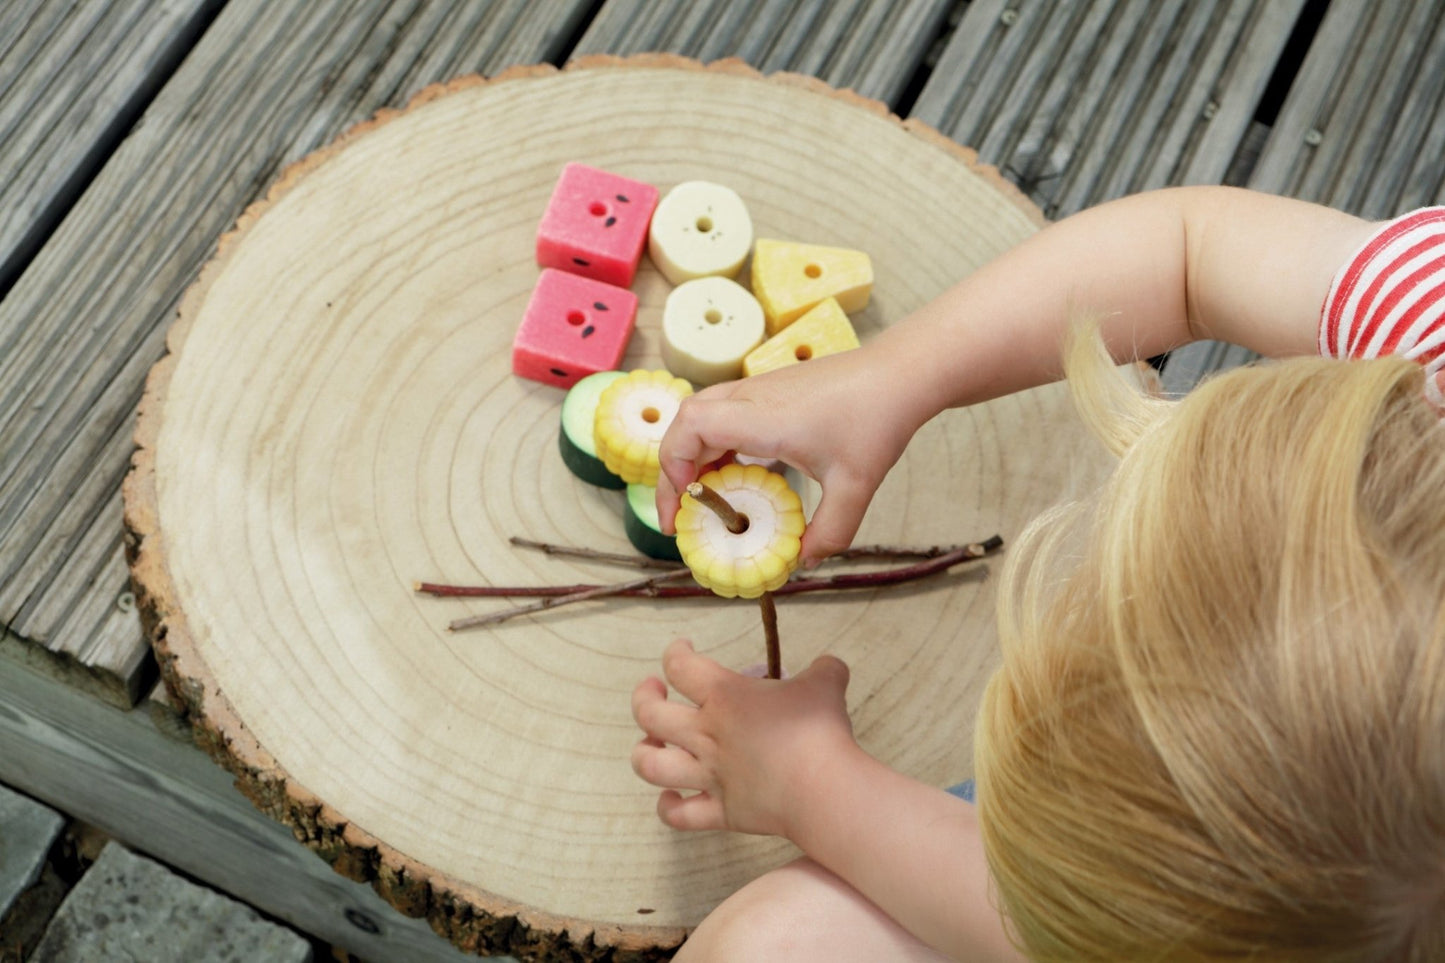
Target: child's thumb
pixel 836 520
pixel 829 671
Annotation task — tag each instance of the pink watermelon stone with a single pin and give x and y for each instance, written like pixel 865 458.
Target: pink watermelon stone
pixel 573 327
pixel 596 224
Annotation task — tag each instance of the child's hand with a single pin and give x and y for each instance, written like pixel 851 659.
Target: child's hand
pixel 752 750
pixel 835 419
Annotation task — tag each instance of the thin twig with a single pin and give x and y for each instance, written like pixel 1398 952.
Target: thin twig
pixel 891 551
pixel 642 561
pixel 719 506
pixel 848 580
pixel 592 554
pixel 552 602
pixel 770 635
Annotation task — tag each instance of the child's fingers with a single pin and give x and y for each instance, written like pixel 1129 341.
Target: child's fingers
pixel 667 503
pixel 661 719
pixel 836 520
pixel 691 674
pixel 667 767
pixel 829 669
pixel 706 427
pixel 700 811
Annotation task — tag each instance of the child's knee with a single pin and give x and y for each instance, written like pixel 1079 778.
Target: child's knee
pixel 749 925
pixel 800 912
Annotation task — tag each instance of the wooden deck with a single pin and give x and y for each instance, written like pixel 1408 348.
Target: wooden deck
pixel 132 135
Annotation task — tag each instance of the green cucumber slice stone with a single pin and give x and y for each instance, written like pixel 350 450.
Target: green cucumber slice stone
pixel 575 440
pixel 642 528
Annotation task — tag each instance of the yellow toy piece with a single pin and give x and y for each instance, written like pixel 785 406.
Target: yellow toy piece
pixel 790 279
pixel 633 413
pixel 822 331
pixel 748 563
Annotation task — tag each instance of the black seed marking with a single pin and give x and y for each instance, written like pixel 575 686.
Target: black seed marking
pixel 599 305
pixel 609 222
pixel 587 331
pixel 581 263
pixel 623 198
pixel 558 372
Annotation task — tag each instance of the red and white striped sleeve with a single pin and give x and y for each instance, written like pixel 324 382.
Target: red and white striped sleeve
pixel 1389 298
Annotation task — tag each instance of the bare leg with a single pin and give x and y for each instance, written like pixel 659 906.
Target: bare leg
pixel 801 912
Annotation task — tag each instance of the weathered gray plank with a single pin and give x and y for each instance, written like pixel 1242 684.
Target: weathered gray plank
pixel 872 46
pixel 1192 363
pixel 1363 125
pixel 112 768
pixel 267 83
pixel 1078 102
pixel 72 77
pixel 1361 129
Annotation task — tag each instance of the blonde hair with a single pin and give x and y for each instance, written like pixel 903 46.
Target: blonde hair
pixel 1217 730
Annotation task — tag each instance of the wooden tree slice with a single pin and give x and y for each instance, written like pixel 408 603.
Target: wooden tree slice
pixel 337 419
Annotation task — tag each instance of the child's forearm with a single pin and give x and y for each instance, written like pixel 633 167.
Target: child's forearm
pixel 1158 269
pixel 912 849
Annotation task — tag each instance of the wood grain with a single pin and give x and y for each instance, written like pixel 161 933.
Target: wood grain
pixel 338 414
pixel 267 83
pixel 1362 129
pixel 114 769
pixel 1363 126
pixel 73 77
pixel 1082 102
pixel 874 47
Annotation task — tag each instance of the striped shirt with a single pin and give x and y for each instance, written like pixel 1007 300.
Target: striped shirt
pixel 1389 298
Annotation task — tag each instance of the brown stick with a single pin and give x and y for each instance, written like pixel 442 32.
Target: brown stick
pixel 891 551
pixel 736 523
pixel 770 635
pixel 642 561
pixel 849 580
pixel 552 602
pixel 571 551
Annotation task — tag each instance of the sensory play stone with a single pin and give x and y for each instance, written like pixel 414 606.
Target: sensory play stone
pixel 596 224
pixel 632 415
pixel 790 278
pixel 576 439
pixel 708 326
pixel 644 531
pixel 573 326
pixel 822 331
pixel 700 229
pixel 755 560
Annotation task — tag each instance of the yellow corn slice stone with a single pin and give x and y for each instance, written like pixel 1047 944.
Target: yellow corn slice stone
pixel 823 330
pixel 748 563
pixel 789 279
pixel 633 413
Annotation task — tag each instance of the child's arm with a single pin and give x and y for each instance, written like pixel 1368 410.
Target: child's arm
pixel 1163 268
pixel 779 758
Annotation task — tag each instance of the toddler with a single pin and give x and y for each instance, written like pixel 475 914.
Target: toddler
pixel 1217 729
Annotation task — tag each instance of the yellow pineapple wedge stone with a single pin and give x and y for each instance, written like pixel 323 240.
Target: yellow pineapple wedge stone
pixel 789 279
pixel 822 331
